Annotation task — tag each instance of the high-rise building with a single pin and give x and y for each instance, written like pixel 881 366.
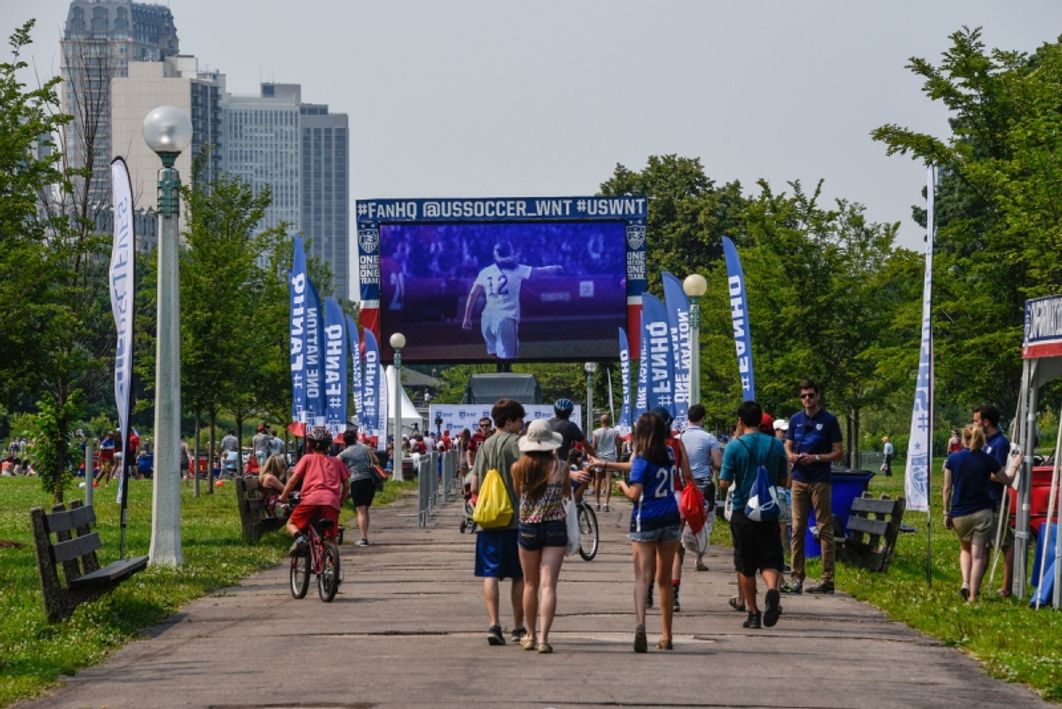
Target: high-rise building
pixel 325 189
pixel 301 152
pixel 101 38
pixel 260 145
pixel 175 81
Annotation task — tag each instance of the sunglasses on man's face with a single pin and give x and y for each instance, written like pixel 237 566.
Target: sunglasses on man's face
pixel 809 395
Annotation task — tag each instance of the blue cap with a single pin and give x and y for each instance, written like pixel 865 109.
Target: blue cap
pixel 662 413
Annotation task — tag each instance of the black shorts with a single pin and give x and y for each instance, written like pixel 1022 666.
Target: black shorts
pixel 362 492
pixel 543 534
pixel 757 545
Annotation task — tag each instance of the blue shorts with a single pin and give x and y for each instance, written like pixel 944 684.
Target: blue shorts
pixel 670 533
pixel 496 554
pixel 544 534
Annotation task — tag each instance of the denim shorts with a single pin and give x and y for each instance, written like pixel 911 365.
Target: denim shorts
pixel 543 534
pixel 670 533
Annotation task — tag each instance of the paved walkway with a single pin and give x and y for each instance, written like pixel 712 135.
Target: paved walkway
pixel 408 629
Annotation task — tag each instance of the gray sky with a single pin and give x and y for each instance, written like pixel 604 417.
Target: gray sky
pixel 497 97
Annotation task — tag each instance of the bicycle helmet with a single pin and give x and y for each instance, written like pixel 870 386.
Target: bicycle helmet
pixel 319 437
pixel 563 405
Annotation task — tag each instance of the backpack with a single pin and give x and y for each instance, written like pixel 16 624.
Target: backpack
pixel 493 508
pixel 763 504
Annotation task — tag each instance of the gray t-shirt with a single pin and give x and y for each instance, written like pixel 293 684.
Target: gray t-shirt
pixel 605 443
pixel 229 443
pixel 358 459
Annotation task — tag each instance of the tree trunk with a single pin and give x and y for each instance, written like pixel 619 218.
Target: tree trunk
pixel 195 460
pixel 210 453
pixel 239 442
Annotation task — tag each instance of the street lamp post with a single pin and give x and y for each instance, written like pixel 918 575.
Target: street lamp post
pixel 590 368
pixel 398 341
pixel 167 131
pixel 695 286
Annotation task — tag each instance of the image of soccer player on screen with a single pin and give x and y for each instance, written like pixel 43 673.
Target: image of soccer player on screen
pixel 499 284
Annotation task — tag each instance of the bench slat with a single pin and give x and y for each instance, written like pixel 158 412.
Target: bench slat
pixel 76 547
pixel 70 519
pixel 871 526
pixel 869 504
pixel 111 573
pixel 873 504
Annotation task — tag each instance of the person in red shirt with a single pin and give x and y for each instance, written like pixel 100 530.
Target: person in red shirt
pixel 325 484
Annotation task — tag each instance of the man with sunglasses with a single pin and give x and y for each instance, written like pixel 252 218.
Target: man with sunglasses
pixel 812 443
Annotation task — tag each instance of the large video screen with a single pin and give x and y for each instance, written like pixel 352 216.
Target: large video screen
pixel 504 291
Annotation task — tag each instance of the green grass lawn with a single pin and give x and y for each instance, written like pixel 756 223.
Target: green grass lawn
pixel 1012 641
pixel 34 653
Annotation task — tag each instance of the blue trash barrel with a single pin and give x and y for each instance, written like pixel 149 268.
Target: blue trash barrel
pixel 846 485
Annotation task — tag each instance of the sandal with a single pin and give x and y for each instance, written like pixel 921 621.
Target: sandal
pixel 528 643
pixel 544 648
pixel 664 644
pixel 736 603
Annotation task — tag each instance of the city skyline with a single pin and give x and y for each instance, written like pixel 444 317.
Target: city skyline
pixel 479 99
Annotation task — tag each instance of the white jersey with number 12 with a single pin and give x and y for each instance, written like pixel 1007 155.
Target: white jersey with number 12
pixel 502 288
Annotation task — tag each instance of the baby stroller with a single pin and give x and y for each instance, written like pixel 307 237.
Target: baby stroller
pixel 467 523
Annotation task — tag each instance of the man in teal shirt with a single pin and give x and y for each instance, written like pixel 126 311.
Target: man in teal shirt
pixel 757 546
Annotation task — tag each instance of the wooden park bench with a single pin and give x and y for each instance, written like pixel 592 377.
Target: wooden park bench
pixel 82 578
pixel 254 514
pixel 873 525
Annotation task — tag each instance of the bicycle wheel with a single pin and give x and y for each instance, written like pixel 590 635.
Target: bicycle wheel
pixel 588 535
pixel 300 574
pixel 328 579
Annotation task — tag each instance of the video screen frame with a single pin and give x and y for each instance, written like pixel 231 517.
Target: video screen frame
pixel 381 221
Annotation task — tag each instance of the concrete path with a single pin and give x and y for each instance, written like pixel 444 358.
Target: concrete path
pixel 408 629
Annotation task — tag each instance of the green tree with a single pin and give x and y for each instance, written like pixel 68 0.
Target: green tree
pixel 54 264
pixel 224 334
pixel 999 227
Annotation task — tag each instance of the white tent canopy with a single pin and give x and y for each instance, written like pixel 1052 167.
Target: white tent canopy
pixel 410 415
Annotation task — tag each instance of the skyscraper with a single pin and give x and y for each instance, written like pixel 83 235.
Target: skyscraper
pixel 175 81
pixel 301 151
pixel 325 189
pixel 100 39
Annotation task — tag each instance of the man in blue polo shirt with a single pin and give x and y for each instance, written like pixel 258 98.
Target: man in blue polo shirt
pixel 997 446
pixel 812 443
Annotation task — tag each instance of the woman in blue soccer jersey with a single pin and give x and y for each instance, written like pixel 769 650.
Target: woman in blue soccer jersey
pixel 655 522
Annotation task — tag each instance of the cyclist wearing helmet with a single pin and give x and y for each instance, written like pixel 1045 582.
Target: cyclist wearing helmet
pixel 325 484
pixel 569 430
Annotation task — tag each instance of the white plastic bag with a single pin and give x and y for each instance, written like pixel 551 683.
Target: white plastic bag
pixel 572 520
pixel 695 542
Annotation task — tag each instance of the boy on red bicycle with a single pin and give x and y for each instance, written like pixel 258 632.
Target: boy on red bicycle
pixel 325 484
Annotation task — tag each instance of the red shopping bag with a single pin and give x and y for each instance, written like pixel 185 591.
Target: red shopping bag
pixel 691 507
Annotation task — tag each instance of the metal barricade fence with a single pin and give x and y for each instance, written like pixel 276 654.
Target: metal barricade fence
pixel 436 483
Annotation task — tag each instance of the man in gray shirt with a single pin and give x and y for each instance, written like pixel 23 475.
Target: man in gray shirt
pixel 606 440
pixel 705 461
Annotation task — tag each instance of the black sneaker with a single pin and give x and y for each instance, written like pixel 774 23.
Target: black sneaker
pixel 965 593
pixel 793 587
pixel 822 587
pixel 517 634
pixel 753 621
pixel 774 608
pixel 676 607
pixel 494 636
